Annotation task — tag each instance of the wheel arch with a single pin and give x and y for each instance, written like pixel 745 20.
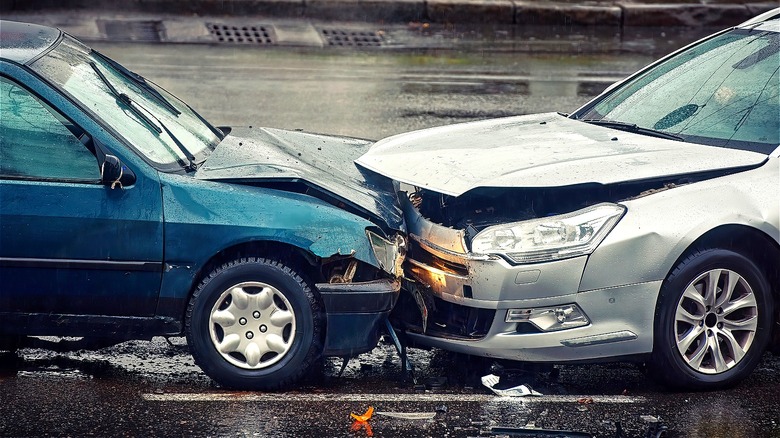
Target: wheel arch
pixel 748 241
pixel 291 255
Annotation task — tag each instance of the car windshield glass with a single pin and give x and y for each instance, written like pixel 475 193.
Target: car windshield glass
pixel 722 92
pixel 76 70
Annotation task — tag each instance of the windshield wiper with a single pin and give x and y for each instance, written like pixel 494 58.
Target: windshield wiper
pixel 136 110
pixel 139 80
pixel 124 98
pixel 631 127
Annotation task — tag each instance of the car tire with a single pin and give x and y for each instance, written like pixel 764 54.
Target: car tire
pixel 255 324
pixel 711 340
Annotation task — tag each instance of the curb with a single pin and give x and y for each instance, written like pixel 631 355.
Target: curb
pixel 257 31
pixel 514 12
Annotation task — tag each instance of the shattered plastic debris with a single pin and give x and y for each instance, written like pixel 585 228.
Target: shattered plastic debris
pixel 361 421
pixel 408 415
pixel 491 380
pixel 583 403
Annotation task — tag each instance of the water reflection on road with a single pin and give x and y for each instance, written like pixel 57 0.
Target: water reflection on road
pixel 370 94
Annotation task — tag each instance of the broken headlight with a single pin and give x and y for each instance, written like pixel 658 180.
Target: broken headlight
pixel 550 238
pixel 389 253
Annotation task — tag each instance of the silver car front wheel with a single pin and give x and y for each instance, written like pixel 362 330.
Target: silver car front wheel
pixel 713 321
pixel 716 321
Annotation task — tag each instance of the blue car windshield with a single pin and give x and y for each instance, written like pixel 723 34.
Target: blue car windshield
pixel 721 92
pixel 156 123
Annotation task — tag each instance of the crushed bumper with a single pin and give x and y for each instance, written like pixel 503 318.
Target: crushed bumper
pixel 356 313
pixel 610 333
pixel 459 302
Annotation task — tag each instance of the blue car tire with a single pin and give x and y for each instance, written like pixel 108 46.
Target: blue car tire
pixel 255 323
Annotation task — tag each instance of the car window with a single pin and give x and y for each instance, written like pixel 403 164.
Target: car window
pixel 723 92
pixel 37 142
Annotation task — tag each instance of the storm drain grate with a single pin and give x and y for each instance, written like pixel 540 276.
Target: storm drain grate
pixel 230 34
pixel 340 37
pixel 132 30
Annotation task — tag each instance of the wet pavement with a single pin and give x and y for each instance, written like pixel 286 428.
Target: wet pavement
pixel 154 389
pixel 369 94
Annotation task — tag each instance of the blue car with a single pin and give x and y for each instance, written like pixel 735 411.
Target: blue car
pixel 125 215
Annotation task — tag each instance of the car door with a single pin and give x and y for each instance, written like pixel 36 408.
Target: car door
pixel 70 245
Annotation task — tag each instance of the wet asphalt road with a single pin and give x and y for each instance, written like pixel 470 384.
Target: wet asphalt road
pixel 154 389
pixel 369 94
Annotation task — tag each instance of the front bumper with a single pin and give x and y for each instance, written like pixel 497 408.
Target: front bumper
pixel 621 325
pixel 355 314
pixel 462 302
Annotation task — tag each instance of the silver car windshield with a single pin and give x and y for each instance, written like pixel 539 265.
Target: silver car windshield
pixel 70 67
pixel 722 92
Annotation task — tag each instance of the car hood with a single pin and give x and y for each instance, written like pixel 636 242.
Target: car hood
pixel 543 150
pixel 324 163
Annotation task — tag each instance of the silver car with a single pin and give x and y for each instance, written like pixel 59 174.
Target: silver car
pixel 644 226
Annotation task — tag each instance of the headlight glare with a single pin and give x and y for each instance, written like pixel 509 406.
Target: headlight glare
pixel 550 238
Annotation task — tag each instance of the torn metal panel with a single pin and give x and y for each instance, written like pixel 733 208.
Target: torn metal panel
pixel 321 162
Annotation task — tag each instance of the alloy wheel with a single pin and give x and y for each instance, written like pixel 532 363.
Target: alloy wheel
pixel 716 321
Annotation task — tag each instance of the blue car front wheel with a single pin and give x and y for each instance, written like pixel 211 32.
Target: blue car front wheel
pixel 255 323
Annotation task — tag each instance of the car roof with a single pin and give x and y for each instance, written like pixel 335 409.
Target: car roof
pixel 23 42
pixel 773 14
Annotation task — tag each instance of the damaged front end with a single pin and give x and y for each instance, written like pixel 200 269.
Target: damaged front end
pixel 346 218
pixel 477 260
pixel 359 296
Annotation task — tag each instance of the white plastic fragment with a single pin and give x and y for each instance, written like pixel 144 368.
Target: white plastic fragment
pixel 491 380
pixel 408 415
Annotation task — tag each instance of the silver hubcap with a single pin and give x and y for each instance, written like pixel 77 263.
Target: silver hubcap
pixel 252 325
pixel 716 321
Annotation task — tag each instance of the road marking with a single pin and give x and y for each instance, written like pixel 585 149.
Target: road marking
pixel 262 397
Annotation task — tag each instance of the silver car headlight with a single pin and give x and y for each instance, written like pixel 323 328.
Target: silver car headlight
pixel 550 238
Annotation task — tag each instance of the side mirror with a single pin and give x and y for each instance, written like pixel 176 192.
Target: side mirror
pixel 114 173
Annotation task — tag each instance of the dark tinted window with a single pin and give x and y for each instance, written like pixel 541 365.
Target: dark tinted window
pixel 37 142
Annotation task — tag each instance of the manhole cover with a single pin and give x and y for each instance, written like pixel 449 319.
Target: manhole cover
pixel 132 30
pixel 230 34
pixel 341 37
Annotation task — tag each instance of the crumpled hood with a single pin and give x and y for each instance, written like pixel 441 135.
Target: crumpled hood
pixel 323 162
pixel 542 150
